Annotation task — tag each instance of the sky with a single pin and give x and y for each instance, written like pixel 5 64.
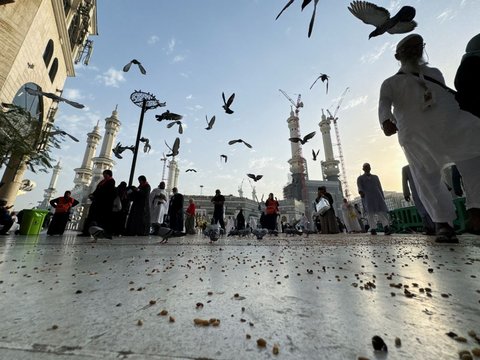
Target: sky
pixel 195 50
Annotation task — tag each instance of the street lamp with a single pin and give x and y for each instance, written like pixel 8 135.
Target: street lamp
pixel 201 189
pixel 146 101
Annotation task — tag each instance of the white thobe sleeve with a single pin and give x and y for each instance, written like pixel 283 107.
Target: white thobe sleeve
pixel 385 103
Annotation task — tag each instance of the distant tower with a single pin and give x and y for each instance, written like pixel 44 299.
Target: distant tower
pixel 177 174
pixel 48 193
pixel 172 169
pixel 330 165
pixel 83 174
pixel 104 161
pixel 298 164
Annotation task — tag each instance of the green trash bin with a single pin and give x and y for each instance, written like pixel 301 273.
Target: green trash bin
pixel 32 221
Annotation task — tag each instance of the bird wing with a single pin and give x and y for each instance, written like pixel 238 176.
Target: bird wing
pixel 402 27
pixel 231 142
pixel 315 82
pixel 295 139
pixel 369 13
pixel 306 2
pixel 258 177
pixel 180 128
pixel 74 104
pixel 247 144
pixel 251 176
pixel 223 156
pixel 169 125
pixel 212 121
pixel 230 100
pixel 223 97
pixel 127 67
pixel 284 8
pixel 309 136
pixel 314 155
pixel 326 85
pixel 142 69
pixel 176 145
pixel 71 137
pixel 312 20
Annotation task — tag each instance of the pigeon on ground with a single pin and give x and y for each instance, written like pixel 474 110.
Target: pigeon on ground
pixel 177 122
pixel 210 123
pixel 136 62
pixel 167 115
pixel 54 97
pixel 224 157
pixel 228 103
pixel 146 147
pixel 304 4
pixel 324 78
pixel 174 149
pixel 315 154
pixel 305 138
pixel 57 131
pixel 379 17
pixel 260 233
pixel 166 233
pixel 231 142
pixel 254 177
pixel 189 170
pixel 119 149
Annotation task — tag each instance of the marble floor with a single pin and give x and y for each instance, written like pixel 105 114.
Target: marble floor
pixel 316 297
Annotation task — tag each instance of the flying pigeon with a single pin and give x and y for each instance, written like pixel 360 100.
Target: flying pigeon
pixel 177 122
pixel 57 131
pixel 146 147
pixel 379 17
pixel 136 62
pixel 304 4
pixel 228 103
pixel 305 138
pixel 188 170
pixel 167 115
pixel 315 154
pixel 223 157
pixel 174 148
pixel 324 78
pixel 254 177
pixel 119 149
pixel 231 142
pixel 210 123
pixel 54 97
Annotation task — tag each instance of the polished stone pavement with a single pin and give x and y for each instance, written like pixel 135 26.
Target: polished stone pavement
pixel 321 297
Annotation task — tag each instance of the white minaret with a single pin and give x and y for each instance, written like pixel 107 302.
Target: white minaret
pixel 330 165
pixel 298 164
pixel 172 170
pixel 52 187
pixel 83 174
pixel 177 174
pixel 104 160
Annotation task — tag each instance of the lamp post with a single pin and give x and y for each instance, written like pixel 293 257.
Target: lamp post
pixel 201 189
pixel 146 101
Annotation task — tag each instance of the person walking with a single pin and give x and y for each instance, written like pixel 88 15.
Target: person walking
pixel 62 206
pixel 175 210
pixel 240 220
pixel 158 207
pixel 271 212
pixel 433 131
pixel 138 222
pixel 371 192
pixel 190 218
pixel 218 211
pixel 328 220
pixel 6 220
pixel 121 209
pixel 350 217
pixel 101 208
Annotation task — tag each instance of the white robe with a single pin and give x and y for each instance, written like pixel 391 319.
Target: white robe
pixel 158 207
pixel 350 218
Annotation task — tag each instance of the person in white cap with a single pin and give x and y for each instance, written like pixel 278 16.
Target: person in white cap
pixel 433 132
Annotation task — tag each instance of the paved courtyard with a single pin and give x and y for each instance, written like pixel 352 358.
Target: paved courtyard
pixel 321 297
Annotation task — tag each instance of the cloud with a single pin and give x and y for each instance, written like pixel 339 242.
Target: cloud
pixel 356 102
pixel 111 77
pixel 171 46
pixel 189 97
pixel 447 14
pixel 72 94
pixel 376 55
pixel 178 58
pixel 184 75
pixel 260 163
pixel 153 39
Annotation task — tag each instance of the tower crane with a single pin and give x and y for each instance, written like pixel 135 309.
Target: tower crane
pixel 297 105
pixel 334 119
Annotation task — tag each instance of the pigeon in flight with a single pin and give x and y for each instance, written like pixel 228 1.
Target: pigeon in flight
pixel 167 115
pixel 305 138
pixel 324 78
pixel 228 103
pixel 189 170
pixel 304 4
pixel 174 149
pixel 54 97
pixel 231 142
pixel 254 177
pixel 210 123
pixel 224 157
pixel 379 17
pixel 57 131
pixel 315 154
pixel 177 122
pixel 136 62
pixel 146 147
pixel 119 149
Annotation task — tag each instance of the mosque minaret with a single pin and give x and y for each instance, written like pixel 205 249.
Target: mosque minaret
pixel 173 173
pixel 104 160
pixel 298 164
pixel 52 187
pixel 330 165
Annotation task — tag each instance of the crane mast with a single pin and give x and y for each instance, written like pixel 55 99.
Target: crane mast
pixel 334 119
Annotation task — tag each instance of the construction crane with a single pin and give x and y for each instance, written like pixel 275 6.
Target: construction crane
pixel 297 105
pixel 334 119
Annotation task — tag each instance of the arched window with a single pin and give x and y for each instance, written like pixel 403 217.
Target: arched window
pixel 32 103
pixel 47 54
pixel 53 70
